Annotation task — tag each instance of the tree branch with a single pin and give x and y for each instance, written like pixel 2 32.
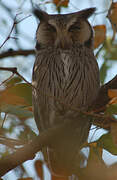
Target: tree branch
pixel 27 152
pixel 21 52
pixel 15 22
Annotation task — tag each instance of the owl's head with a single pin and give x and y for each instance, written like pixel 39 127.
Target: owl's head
pixel 64 30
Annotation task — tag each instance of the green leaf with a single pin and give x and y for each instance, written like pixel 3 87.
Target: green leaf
pixel 112 109
pixel 113 55
pixel 24 90
pixel 17 110
pixel 18 94
pixel 106 142
pixel 13 81
pixel 103 71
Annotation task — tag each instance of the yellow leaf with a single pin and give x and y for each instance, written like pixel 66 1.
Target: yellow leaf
pixel 18 94
pixel 29 108
pixel 112 93
pixel 112 13
pixel 39 168
pixel 113 101
pixel 100 35
pixel 59 3
pixel 7 97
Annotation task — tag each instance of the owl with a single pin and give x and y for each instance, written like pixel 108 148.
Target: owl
pixel 66 81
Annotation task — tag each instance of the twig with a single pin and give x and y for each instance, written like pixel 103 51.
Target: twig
pixel 13 26
pixel 3 120
pixel 11 142
pixel 14 71
pixel 99 50
pixel 11 69
pixel 21 52
pixel 8 37
pixel 24 79
pixel 24 18
pixel 6 80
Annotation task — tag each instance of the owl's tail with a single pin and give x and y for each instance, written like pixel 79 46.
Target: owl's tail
pixel 64 157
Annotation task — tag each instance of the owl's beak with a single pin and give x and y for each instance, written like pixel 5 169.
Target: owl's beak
pixel 62 41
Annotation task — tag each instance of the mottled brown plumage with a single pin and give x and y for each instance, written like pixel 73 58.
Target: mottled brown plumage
pixel 65 69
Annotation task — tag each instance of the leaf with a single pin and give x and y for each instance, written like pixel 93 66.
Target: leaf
pixel 60 3
pixel 103 71
pixel 114 133
pixel 29 108
pixel 113 101
pixel 95 163
pixel 13 81
pixel 112 13
pixel 8 98
pixel 100 35
pixel 39 169
pixel 110 49
pixel 16 110
pixel 19 94
pixel 112 16
pixel 112 93
pixel 112 55
pixel 106 142
pixel 111 109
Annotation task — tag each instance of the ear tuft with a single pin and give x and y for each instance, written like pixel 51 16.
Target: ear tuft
pixel 86 13
pixel 40 14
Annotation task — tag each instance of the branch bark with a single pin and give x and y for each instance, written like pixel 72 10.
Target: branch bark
pixel 27 152
pixel 21 52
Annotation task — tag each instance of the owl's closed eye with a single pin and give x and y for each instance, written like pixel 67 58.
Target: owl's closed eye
pixel 64 30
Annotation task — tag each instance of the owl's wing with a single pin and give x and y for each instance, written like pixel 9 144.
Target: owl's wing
pixel 71 77
pixel 40 92
pixel 39 109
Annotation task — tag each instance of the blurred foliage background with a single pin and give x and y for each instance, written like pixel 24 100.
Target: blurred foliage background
pixel 17 43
